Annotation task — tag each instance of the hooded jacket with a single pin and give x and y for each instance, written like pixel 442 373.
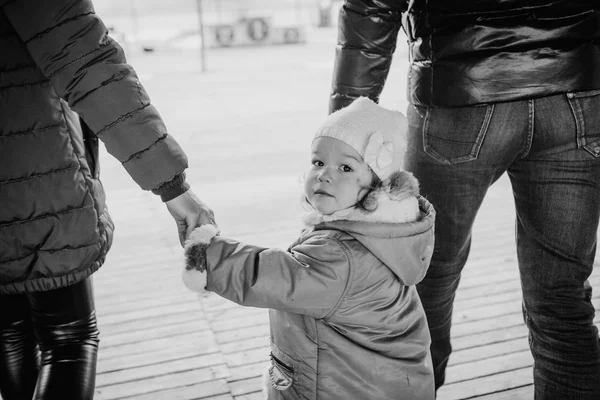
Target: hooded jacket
pixel 346 320
pixel 64 83
pixel 468 52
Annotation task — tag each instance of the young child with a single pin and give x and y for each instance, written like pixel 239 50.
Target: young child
pixel 346 320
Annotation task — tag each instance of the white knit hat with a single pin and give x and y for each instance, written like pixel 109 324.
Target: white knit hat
pixel 376 133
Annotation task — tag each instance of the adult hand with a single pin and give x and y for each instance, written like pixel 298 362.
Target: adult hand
pixel 189 212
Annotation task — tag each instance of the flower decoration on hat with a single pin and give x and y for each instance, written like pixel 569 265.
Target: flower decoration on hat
pixel 379 154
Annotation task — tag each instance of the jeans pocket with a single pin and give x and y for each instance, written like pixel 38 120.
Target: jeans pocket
pixel 455 135
pixel 586 110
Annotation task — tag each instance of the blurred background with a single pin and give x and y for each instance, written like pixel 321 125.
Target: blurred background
pixel 225 23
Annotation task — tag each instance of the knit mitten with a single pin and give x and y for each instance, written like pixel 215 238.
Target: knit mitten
pixel 194 275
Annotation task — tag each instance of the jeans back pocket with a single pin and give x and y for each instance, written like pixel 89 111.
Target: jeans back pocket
pixel 455 135
pixel 586 110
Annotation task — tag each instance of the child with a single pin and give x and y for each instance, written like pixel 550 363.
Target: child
pixel 346 320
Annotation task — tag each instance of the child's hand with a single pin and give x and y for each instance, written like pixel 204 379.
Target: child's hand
pixel 194 275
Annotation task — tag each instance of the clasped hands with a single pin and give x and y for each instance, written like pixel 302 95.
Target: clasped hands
pixel 189 212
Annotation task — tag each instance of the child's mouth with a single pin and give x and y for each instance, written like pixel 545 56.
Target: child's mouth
pixel 323 193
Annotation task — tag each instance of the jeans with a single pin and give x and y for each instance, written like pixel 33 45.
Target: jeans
pixel 550 148
pixel 60 323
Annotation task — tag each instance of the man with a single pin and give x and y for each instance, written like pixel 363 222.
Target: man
pixel 494 87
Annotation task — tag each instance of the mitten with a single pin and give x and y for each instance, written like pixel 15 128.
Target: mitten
pixel 194 275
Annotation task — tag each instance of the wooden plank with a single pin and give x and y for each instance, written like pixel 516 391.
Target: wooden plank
pixel 239 334
pixel 154 356
pixel 254 318
pixel 485 385
pixel 149 323
pixel 487 351
pixel 490 337
pixel 246 344
pixel 520 393
pixel 192 309
pixel 246 386
pixel 247 371
pixel 110 339
pixel 215 389
pixel 489 365
pixel 190 370
pixel 192 339
pixel 248 357
pixel 160 383
pixel 251 396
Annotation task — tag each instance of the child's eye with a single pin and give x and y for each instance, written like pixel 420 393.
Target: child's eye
pixel 346 168
pixel 317 163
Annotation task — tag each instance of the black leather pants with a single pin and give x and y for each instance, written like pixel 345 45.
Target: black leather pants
pixel 49 344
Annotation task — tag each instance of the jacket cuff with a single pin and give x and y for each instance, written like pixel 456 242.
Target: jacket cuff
pixel 173 188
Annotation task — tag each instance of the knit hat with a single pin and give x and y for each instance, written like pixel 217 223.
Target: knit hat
pixel 376 133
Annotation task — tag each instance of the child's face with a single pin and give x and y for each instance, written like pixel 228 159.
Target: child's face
pixel 338 177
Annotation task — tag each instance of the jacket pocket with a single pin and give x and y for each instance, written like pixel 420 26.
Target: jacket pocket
pixel 455 135
pixel 585 106
pixel 281 373
pixel 90 142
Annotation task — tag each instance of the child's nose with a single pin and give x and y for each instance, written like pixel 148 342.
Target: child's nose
pixel 324 176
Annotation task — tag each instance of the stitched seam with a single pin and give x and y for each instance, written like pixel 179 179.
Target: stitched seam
pixel 24 133
pixel 134 155
pixel 367 51
pixel 102 46
pixel 22 67
pixel 48 251
pixel 114 78
pixel 35 176
pixel 530 129
pixel 579 121
pixel 431 69
pixel 482 132
pixel 122 118
pixel 46 215
pixel 350 274
pixel 47 30
pixel 40 83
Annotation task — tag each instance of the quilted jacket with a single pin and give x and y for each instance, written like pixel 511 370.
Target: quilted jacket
pixel 468 52
pixel 346 319
pixel 64 83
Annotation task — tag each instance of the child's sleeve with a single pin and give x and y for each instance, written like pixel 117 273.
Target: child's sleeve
pixel 309 279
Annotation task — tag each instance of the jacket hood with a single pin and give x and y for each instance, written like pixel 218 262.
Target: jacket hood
pixel 404 247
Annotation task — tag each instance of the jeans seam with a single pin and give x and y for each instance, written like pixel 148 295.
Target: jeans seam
pixel 530 129
pixel 579 121
pixel 483 131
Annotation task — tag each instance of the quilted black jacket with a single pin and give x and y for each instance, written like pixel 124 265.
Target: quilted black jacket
pixel 64 83
pixel 469 52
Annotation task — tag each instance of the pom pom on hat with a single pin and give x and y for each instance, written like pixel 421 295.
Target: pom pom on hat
pixel 377 134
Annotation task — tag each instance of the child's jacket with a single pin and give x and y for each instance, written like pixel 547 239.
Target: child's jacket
pixel 346 320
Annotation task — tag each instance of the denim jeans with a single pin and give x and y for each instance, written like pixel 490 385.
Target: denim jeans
pixel 550 148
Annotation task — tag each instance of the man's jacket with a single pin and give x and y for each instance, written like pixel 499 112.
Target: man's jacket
pixel 469 52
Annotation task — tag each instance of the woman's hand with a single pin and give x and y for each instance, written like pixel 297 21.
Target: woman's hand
pixel 189 212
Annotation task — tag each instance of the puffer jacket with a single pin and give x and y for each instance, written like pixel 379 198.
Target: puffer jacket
pixel 63 83
pixel 468 52
pixel 346 320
